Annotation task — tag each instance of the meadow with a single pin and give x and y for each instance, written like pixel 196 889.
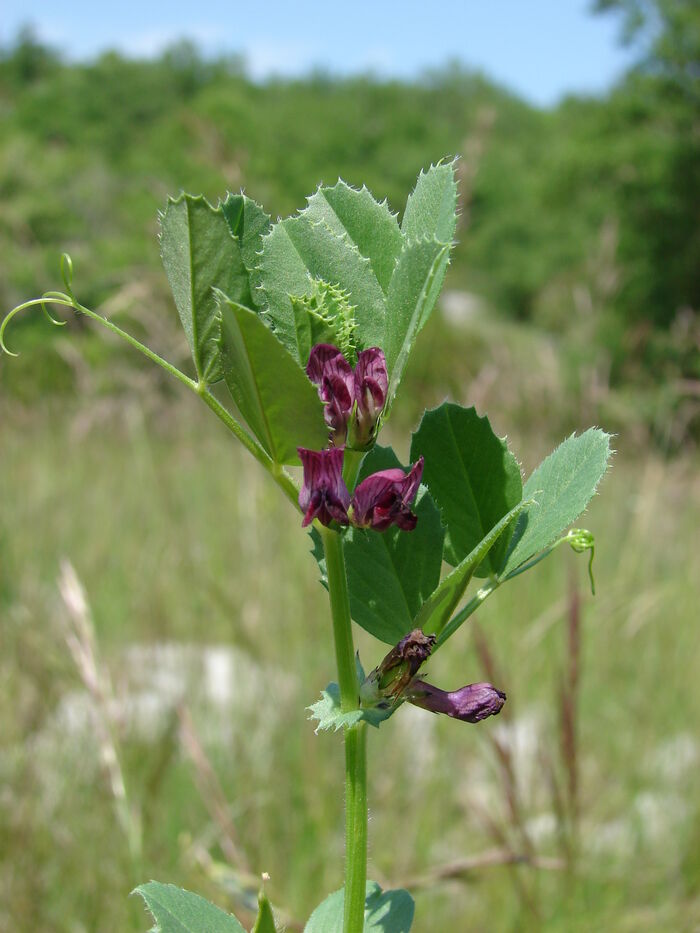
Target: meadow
pixel 577 809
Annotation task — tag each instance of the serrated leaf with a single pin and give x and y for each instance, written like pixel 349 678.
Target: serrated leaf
pixel 391 573
pixel 297 251
pixel 369 225
pixel 409 302
pixel 178 911
pixel 385 912
pixel 472 476
pixel 563 485
pixel 330 717
pixel 436 611
pixel 248 223
pixel 272 392
pixel 265 921
pixel 431 209
pixel 200 254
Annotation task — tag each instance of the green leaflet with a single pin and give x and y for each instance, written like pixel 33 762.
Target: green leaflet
pixel 411 291
pixel 369 225
pixel 472 476
pixel 265 921
pixel 385 912
pixel 328 713
pixel 436 611
pixel 248 222
pixel 431 209
pixel 272 392
pixel 177 911
pixel 297 251
pixel 562 485
pixel 200 254
pixel 391 573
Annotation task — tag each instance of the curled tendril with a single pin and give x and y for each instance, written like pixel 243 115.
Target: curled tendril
pixel 67 273
pixel 56 298
pixel 582 540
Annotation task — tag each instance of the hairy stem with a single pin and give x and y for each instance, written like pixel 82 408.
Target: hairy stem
pixel 355 738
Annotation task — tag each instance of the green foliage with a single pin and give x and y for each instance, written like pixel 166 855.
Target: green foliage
pixel 436 611
pixel 265 921
pixel 248 223
pixel 330 717
pixel 561 486
pixel 391 573
pixel 178 911
pixel 272 392
pixel 200 254
pixel 385 912
pixel 473 477
pixel 298 251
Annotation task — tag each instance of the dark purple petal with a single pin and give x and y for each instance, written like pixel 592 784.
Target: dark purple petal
pixel 371 385
pixel 470 704
pixel 328 369
pixel 323 494
pixel 384 499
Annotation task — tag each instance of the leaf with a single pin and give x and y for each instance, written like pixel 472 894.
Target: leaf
pixel 408 305
pixel 431 209
pixel 369 225
pixel 472 476
pixel 199 254
pixel 271 390
pixel 330 716
pixel 248 223
pixel 297 251
pixel 265 921
pixel 391 573
pixel 385 912
pixel 436 611
pixel 179 911
pixel 563 485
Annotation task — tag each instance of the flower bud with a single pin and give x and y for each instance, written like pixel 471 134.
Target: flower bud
pixel 470 704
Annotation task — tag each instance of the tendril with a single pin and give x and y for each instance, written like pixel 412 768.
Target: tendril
pixel 56 298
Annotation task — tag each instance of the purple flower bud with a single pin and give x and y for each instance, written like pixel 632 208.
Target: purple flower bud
pixel 328 369
pixel 470 704
pixel 324 494
pixel 371 385
pixel 384 499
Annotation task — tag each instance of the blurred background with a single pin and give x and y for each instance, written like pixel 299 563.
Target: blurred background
pixel 161 623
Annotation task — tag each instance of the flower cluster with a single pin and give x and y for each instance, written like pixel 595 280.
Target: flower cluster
pixel 396 679
pixel 379 501
pixel 353 399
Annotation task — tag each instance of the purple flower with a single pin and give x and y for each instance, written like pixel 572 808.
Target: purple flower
pixel 328 369
pixel 324 494
pixel 384 499
pixel 371 385
pixel 470 704
pixel 343 391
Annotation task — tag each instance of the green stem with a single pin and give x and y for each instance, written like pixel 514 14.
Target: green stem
pixel 355 738
pixel 278 473
pixel 473 604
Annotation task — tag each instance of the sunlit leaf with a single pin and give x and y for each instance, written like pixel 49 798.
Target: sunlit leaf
pixel 472 476
pixel 385 912
pixel 272 392
pixel 177 911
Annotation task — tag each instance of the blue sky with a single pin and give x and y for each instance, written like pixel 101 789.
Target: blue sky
pixel 540 48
